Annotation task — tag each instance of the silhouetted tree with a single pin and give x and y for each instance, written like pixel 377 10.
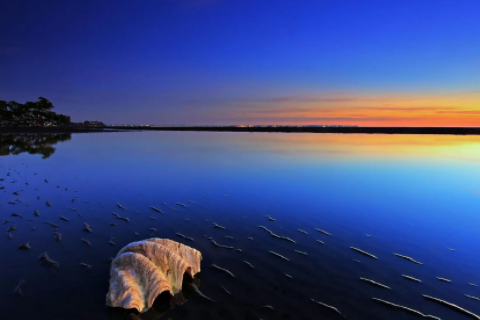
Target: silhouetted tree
pixel 30 114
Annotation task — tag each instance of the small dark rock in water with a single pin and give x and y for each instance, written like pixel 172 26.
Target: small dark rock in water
pixel 16 215
pixel 63 218
pixel 452 306
pixel 328 307
pixel 86 267
pixel 121 207
pixel 11 202
pixel 18 288
pixel 33 229
pixel 87 228
pixel 156 209
pixel 270 218
pixel 16 193
pixel 222 269
pixel 301 252
pixel 57 236
pixel 185 237
pixel 52 224
pixel 322 231
pixel 48 204
pixel 224 289
pixel 36 213
pixel 411 278
pixel 46 180
pixel 38 197
pixel 229 237
pixel 217 226
pixel 25 246
pixel 364 253
pixel 279 255
pixel 6 221
pixel 181 204
pixel 111 224
pixel 86 242
pixel 302 231
pixel 407 258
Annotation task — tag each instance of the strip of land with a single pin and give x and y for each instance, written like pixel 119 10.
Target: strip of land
pixel 342 130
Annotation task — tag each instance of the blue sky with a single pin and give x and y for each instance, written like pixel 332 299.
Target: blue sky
pixel 224 61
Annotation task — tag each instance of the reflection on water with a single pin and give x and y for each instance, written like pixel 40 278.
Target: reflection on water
pixel 414 196
pixel 12 144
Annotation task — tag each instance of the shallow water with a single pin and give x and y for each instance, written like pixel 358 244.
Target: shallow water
pixel 414 195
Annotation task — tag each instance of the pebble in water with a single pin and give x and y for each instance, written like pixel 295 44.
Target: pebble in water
pixel 87 228
pixel 397 306
pixel 375 283
pixel 328 307
pixel 407 258
pixel 25 246
pixel 18 288
pixel 322 231
pixel 184 237
pixel 364 253
pixel 222 269
pixel 156 209
pixel 45 259
pixel 411 278
pixel 452 306
pixel 86 267
pixel 301 252
pixel 86 242
pixel 279 255
pixel 220 246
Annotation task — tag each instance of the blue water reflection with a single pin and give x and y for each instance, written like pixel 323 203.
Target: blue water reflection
pixel 414 195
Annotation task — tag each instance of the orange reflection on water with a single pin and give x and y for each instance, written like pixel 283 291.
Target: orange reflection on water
pixel 366 145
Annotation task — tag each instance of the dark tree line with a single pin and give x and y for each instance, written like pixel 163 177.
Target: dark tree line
pixel 30 114
pixel 11 144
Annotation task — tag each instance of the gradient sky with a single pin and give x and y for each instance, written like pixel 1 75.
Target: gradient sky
pixel 400 63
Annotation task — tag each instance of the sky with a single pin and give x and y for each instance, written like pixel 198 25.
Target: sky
pixel 366 63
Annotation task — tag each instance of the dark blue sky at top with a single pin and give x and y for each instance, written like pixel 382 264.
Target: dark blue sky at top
pixel 188 61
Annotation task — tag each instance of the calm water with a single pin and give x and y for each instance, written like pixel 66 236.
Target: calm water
pixel 414 195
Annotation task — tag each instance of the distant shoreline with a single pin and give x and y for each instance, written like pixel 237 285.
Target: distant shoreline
pixel 343 130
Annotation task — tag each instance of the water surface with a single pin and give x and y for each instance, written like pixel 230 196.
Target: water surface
pixel 413 195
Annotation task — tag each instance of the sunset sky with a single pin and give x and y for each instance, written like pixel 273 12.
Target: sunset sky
pixel 370 63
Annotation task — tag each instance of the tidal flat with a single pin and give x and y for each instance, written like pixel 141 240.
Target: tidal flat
pixel 70 202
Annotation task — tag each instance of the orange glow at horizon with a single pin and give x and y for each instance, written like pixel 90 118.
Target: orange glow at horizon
pixel 441 110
